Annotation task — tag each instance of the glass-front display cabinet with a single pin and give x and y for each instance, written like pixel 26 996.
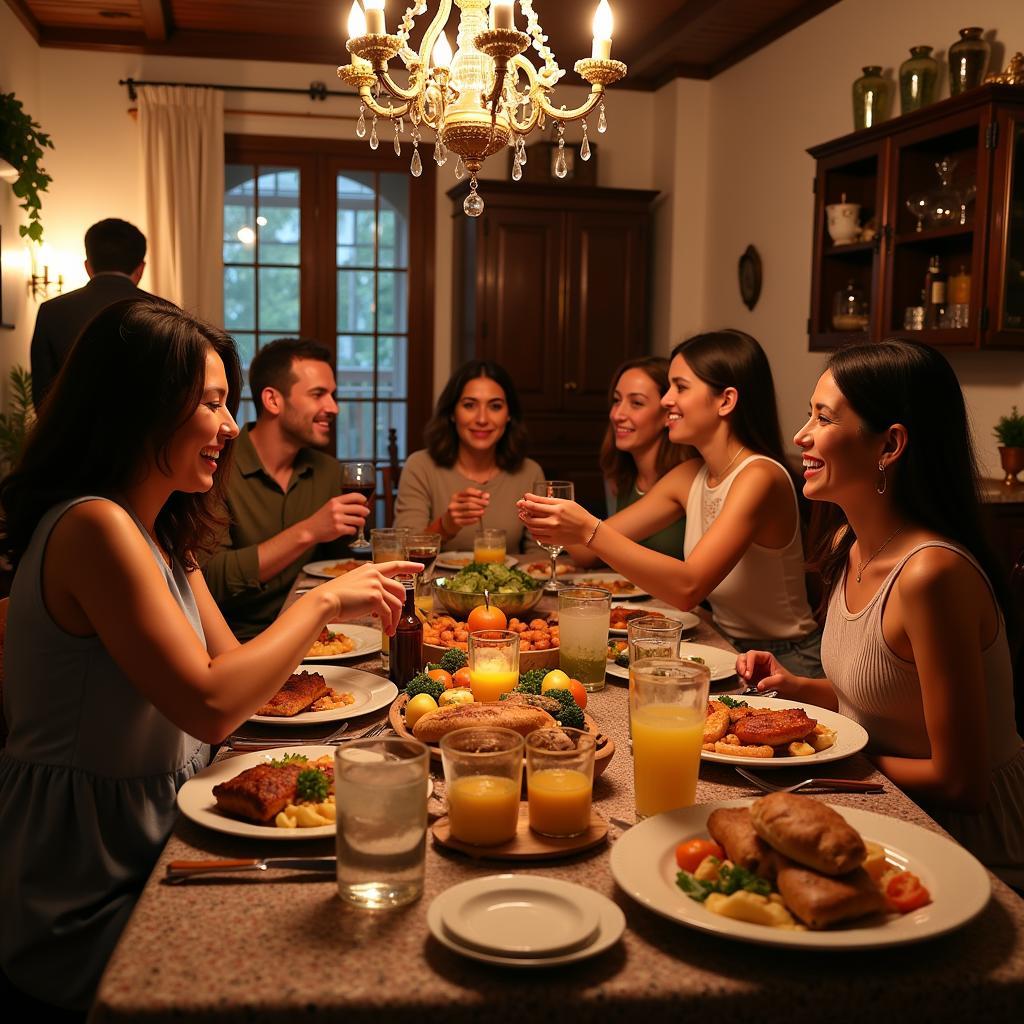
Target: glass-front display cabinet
pixel 919 227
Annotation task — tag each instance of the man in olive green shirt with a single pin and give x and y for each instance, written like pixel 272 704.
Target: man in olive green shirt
pixel 284 496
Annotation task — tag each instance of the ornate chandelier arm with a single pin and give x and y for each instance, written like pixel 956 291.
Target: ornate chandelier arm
pixel 535 88
pixel 577 113
pixel 407 53
pixel 408 95
pixel 366 95
pixel 552 72
pixel 434 29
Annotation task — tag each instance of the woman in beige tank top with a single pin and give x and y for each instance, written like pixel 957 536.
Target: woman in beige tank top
pixel 915 645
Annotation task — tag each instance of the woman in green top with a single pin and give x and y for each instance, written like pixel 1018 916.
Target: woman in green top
pixel 636 451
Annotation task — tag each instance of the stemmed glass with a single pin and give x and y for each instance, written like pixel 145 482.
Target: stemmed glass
pixel 919 204
pixel 553 489
pixel 360 477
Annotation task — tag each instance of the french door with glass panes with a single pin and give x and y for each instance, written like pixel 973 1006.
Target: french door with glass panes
pixel 328 241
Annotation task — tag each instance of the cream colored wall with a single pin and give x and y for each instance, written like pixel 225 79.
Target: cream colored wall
pixel 767 111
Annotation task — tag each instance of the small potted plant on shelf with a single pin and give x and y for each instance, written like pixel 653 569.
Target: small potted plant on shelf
pixel 1009 431
pixel 21 146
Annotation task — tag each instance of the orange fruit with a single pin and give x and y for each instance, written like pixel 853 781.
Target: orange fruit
pixel 579 694
pixel 483 617
pixel 442 677
pixel 461 677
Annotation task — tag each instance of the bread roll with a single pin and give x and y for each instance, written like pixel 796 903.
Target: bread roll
pixel 732 829
pixel 808 832
pixel 523 719
pixel 820 900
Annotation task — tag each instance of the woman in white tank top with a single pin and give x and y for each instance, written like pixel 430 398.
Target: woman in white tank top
pixel 742 548
pixel 915 645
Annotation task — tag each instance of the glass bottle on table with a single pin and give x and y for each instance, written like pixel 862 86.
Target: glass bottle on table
pixel 553 489
pixel 407 644
pixel 360 477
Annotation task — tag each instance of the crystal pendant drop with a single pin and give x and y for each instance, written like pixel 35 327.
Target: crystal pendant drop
pixel 374 141
pixel 401 125
pixel 416 167
pixel 517 168
pixel 398 145
pixel 522 150
pixel 361 123
pixel 585 145
pixel 473 205
pixel 602 121
pixel 541 121
pixel 460 170
pixel 561 167
pixel 440 153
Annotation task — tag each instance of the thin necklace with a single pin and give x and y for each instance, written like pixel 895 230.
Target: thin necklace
pixel 863 565
pixel 721 476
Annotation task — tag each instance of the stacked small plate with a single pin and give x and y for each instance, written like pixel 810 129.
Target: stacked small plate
pixel 524 921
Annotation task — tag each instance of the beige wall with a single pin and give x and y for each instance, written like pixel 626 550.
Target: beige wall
pixel 767 111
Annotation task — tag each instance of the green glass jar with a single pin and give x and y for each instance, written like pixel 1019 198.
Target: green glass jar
pixel 872 98
pixel 919 75
pixel 968 61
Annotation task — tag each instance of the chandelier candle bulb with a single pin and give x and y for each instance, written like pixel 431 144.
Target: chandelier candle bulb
pixel 375 17
pixel 602 32
pixel 357 28
pixel 442 55
pixel 502 14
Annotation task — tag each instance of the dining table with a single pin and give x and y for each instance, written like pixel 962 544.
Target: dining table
pixel 282 946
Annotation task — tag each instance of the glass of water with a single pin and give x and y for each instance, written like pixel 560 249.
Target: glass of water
pixel 380 792
pixel 583 614
pixel 554 489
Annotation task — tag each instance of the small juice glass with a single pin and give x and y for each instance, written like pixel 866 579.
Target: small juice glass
pixel 493 663
pixel 483 774
pixel 424 547
pixel 651 636
pixel 560 780
pixel 388 544
pixel 668 704
pixel 489 545
pixel 583 614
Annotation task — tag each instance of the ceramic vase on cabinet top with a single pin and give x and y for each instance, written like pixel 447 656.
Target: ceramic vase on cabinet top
pixel 919 76
pixel 968 60
pixel 872 98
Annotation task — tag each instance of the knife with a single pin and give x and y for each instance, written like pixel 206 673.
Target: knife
pixel 180 870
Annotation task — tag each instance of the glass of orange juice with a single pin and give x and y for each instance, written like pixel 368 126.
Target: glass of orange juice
pixel 483 774
pixel 489 545
pixel 493 663
pixel 560 780
pixel 668 705
pixel 651 636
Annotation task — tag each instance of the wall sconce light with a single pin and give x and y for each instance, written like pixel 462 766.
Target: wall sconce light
pixel 43 285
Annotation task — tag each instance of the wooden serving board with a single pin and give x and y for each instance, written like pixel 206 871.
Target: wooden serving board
pixel 603 751
pixel 527 845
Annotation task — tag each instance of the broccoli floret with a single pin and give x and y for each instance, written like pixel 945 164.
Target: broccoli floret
pixel 571 715
pixel 529 682
pixel 453 659
pixel 431 665
pixel 622 659
pixel 422 683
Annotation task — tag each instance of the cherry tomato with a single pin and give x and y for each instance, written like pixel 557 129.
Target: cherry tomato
pixel 461 677
pixel 442 677
pixel 578 693
pixel 693 851
pixel 904 893
pixel 484 617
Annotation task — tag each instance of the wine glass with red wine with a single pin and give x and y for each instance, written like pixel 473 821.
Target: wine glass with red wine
pixel 360 477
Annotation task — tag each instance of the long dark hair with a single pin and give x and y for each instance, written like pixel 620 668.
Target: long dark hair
pixel 733 359
pixel 935 482
pixel 135 375
pixel 440 436
pixel 620 467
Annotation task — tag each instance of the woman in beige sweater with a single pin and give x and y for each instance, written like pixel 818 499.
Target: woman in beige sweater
pixel 473 469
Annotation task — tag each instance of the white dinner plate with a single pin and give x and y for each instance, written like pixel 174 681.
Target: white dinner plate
pixel 320 568
pixel 371 692
pixel 460 559
pixel 850 737
pixel 601 579
pixel 540 569
pixel 367 639
pixel 611 922
pixel 532 918
pixel 643 864
pixel 721 664
pixel 688 619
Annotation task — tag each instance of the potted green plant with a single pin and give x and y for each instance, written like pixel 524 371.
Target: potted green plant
pixel 21 145
pixel 1009 431
pixel 17 422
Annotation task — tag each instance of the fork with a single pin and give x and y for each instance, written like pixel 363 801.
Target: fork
pixel 268 742
pixel 838 785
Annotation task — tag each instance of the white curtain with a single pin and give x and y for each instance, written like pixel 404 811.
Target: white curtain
pixel 183 168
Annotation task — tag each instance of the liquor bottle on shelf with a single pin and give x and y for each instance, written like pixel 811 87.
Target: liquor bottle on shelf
pixel 407 643
pixel 934 294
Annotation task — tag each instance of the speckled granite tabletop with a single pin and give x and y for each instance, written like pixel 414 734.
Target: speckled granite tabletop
pixel 282 947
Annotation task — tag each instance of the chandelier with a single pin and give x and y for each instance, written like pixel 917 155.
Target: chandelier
pixel 481 99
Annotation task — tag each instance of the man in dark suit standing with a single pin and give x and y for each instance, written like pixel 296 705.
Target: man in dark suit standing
pixel 115 257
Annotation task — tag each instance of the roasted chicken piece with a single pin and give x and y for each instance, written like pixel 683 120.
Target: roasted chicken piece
pixel 774 728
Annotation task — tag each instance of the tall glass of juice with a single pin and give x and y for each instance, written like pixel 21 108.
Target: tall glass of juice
pixel 489 545
pixel 483 774
pixel 668 704
pixel 583 614
pixel 493 663
pixel 388 545
pixel 560 780
pixel 424 547
pixel 651 636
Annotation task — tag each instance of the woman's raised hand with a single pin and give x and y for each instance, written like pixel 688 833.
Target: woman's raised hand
pixel 761 669
pixel 556 520
pixel 466 508
pixel 371 590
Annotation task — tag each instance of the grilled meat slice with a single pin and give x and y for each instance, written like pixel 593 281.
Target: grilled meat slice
pixel 299 691
pixel 774 728
pixel 260 793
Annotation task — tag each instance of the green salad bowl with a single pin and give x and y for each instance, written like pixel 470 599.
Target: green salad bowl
pixel 460 605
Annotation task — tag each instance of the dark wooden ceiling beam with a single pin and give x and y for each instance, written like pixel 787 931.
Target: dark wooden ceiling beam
pixel 24 15
pixel 659 46
pixel 156 19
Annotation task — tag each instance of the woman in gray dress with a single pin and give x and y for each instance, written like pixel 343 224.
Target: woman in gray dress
pixel 120 669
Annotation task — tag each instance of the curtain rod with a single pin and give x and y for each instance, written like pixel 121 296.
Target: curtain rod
pixel 316 90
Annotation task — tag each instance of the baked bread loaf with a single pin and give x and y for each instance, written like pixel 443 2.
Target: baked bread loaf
pixel 732 829
pixel 820 900
pixel 501 715
pixel 808 832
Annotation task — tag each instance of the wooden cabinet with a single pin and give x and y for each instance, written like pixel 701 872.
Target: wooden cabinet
pixel 552 283
pixel 883 167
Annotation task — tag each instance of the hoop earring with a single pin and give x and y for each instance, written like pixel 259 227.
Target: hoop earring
pixel 881 469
